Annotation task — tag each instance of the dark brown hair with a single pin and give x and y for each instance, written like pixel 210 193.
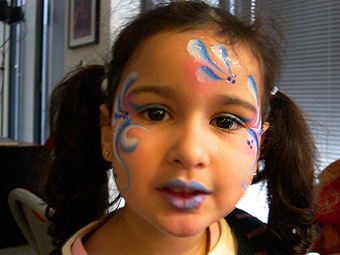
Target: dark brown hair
pixel 77 178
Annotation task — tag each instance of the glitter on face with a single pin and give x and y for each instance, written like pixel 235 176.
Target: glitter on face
pixel 254 131
pixel 222 54
pixel 121 123
pixel 197 49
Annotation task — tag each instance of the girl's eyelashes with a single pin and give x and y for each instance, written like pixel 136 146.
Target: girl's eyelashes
pixel 154 113
pixel 158 113
pixel 227 122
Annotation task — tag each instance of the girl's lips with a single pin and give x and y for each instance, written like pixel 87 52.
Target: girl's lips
pixel 182 195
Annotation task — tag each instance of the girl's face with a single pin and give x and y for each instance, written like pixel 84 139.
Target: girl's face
pixel 187 128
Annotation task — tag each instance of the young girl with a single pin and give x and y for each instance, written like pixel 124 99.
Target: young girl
pixel 183 122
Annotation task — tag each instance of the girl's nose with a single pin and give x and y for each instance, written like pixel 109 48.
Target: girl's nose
pixel 189 147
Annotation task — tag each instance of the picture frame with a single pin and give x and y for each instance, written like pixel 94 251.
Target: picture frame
pixel 83 25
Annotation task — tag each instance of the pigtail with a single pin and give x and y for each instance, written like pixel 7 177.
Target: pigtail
pixel 76 178
pixel 288 153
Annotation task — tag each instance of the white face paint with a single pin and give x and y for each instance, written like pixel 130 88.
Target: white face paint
pixel 121 124
pixel 208 71
pixel 187 130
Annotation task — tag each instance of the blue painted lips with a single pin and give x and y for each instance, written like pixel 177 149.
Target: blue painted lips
pixel 182 195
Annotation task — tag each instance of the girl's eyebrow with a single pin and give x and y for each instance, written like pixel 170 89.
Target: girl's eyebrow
pixel 162 91
pixel 225 100
pixel 169 92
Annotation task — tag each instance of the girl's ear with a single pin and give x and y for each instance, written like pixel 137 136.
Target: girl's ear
pixel 105 132
pixel 265 126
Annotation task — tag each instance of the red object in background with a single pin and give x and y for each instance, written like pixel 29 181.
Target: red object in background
pixel 327 209
pixel 49 142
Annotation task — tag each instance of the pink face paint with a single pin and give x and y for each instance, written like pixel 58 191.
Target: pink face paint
pixel 254 130
pixel 208 69
pixel 121 123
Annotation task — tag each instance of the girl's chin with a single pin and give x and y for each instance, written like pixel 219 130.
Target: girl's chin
pixel 182 227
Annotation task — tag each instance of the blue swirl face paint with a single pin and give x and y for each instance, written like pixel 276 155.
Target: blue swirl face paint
pixel 208 73
pixel 222 54
pixel 121 122
pixel 198 51
pixel 254 130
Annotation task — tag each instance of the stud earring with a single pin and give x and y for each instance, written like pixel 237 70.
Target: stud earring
pixel 107 153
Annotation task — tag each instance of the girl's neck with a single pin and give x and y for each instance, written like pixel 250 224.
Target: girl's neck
pixel 120 235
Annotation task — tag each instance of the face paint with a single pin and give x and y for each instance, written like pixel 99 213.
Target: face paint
pixel 222 54
pixel 197 49
pixel 254 130
pixel 121 124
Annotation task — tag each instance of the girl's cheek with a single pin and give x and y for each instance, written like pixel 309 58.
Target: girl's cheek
pixel 138 133
pixel 253 150
pixel 245 159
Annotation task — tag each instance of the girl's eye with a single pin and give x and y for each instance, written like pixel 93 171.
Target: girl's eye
pixel 227 123
pixel 156 114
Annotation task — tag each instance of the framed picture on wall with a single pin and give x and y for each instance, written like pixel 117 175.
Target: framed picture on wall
pixel 83 26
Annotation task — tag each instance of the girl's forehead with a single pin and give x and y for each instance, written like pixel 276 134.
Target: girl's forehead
pixel 186 52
